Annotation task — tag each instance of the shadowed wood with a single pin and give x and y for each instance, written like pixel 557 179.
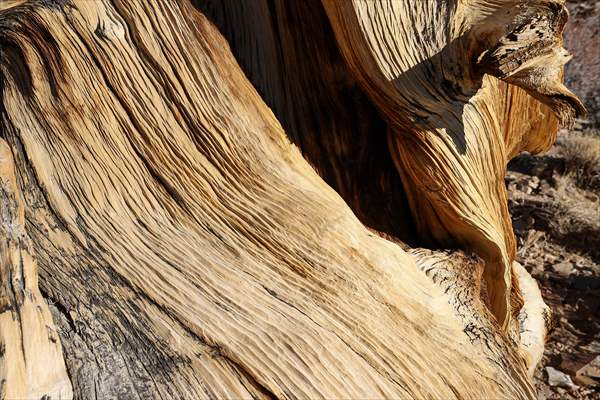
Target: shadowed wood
pixel 289 53
pixel 31 361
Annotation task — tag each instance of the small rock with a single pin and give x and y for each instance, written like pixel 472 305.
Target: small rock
pixel 557 378
pixel 531 185
pixel 544 393
pixel 590 374
pixel 510 177
pixel 564 268
pixel 534 182
pixel 573 363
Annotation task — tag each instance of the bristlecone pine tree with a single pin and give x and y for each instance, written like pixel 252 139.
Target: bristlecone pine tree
pixel 270 199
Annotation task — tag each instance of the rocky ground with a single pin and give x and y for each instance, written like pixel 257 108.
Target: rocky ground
pixel 555 205
pixel 582 39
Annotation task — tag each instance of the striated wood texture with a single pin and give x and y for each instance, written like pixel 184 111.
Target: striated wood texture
pixel 432 68
pixel 31 360
pixel 186 249
pixel 288 51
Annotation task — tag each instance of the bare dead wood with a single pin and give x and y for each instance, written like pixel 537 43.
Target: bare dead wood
pixel 423 64
pixel 187 249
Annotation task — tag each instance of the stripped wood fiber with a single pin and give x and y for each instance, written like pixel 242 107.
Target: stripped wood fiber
pixel 432 68
pixel 288 51
pixel 186 248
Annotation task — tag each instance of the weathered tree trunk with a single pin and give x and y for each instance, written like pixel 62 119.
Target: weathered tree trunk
pixel 186 249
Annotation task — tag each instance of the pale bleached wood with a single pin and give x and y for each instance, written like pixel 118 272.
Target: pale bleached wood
pixel 187 249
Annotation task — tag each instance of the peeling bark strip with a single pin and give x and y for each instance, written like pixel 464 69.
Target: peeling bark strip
pixel 187 249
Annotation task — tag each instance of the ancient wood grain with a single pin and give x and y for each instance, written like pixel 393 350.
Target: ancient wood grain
pixel 185 246
pixel 424 65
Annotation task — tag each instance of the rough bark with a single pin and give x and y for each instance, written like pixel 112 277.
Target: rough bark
pixel 31 360
pixel 185 247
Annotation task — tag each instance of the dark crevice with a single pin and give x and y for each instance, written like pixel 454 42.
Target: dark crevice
pixel 250 378
pixel 59 307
